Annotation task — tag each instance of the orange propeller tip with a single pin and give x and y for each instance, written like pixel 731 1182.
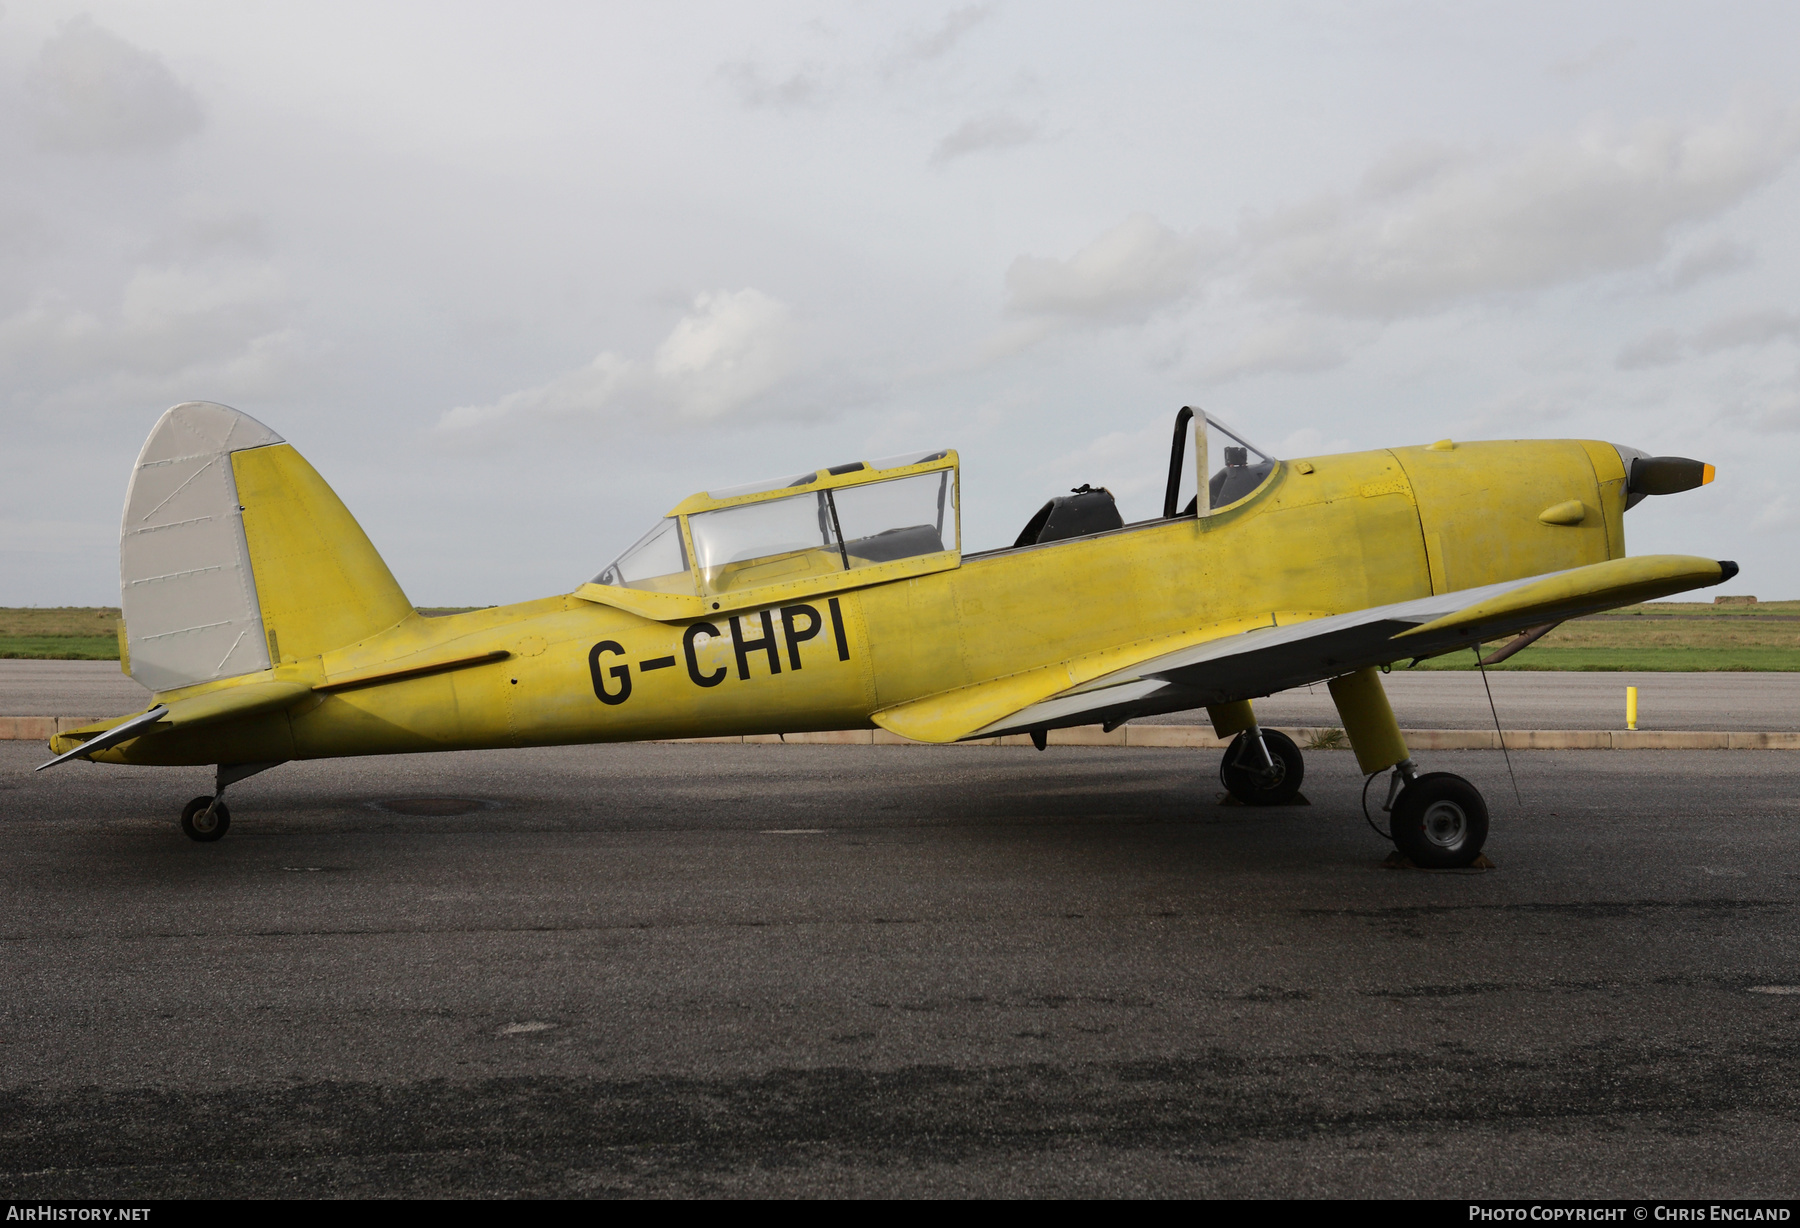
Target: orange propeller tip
pixel 1706 474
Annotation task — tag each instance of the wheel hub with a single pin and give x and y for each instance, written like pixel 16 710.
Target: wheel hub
pixel 1445 824
pixel 1262 775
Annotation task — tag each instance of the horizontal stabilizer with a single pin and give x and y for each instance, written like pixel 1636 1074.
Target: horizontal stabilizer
pixel 228 704
pixel 124 731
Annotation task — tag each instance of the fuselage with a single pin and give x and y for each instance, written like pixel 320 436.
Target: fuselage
pixel 1320 536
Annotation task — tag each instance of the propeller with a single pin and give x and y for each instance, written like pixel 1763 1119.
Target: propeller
pixel 1666 475
pixel 1659 475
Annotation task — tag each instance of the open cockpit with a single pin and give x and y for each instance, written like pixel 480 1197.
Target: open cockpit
pixel 1087 510
pixel 882 519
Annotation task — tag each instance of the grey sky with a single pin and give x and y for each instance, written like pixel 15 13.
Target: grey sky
pixel 518 278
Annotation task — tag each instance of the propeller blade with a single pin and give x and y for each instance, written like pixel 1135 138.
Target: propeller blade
pixel 1667 475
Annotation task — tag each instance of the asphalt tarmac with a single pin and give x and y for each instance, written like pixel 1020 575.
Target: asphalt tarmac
pixel 1524 699
pixel 811 970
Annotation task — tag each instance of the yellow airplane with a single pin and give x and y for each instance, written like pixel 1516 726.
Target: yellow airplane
pixel 269 629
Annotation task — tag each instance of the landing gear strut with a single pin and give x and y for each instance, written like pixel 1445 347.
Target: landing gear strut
pixel 1262 767
pixel 1438 820
pixel 205 818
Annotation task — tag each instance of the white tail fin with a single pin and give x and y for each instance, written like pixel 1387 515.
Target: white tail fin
pixel 185 584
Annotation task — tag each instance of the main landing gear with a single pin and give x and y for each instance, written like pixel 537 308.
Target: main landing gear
pixel 1438 820
pixel 1262 767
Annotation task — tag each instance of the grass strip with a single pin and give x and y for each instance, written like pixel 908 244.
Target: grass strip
pixel 60 647
pixel 1676 659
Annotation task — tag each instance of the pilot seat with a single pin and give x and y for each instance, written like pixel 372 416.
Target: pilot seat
pixel 1082 511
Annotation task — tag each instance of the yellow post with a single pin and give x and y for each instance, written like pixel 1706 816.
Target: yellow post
pixel 1368 720
pixel 1631 707
pixel 1228 719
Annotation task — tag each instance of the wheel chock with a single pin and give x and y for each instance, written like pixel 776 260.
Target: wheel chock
pixel 1397 860
pixel 1299 799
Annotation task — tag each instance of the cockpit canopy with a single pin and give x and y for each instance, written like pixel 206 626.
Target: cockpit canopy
pixel 814 525
pixel 868 521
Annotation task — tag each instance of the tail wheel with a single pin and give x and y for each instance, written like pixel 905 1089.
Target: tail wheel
pixel 1252 781
pixel 1440 821
pixel 205 820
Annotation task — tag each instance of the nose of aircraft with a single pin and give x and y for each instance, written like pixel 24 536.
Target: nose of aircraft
pixel 1660 475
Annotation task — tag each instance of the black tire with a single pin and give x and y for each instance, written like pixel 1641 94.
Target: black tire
pixel 199 826
pixel 1440 821
pixel 1248 779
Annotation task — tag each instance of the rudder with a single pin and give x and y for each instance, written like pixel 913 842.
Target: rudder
pixel 185 586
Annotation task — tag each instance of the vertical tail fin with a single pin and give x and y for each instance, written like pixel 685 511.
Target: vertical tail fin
pixel 234 555
pixel 321 583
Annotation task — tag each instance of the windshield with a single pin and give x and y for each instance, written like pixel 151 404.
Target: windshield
pixel 658 563
pixel 1246 465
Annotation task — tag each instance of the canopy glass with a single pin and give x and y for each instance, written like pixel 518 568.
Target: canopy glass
pixel 795 537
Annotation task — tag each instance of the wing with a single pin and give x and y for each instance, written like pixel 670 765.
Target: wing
pixel 1282 652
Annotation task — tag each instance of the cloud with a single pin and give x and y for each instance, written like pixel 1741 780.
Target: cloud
pixel 1783 412
pixel 588 389
pixel 1601 56
pixel 802 88
pixel 1715 259
pixel 1444 227
pixel 1131 464
pixel 219 323
pixel 933 45
pixel 732 349
pixel 1293 345
pixel 1310 441
pixel 995 130
pixel 1780 515
pixel 1659 349
pixel 1127 274
pixel 1749 328
pixel 93 92
pixel 23 233
pixel 1427 229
